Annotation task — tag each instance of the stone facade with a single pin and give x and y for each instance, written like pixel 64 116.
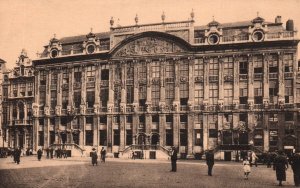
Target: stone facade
pixel 224 86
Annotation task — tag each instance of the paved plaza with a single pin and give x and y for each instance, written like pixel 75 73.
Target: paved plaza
pixel 78 172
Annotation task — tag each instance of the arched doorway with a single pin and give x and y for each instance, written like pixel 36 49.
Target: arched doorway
pixel 155 139
pixel 141 139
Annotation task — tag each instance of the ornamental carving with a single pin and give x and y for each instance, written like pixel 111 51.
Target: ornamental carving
pixel 148 45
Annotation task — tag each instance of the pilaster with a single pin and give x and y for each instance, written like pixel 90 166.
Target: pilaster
pixel 190 130
pixel 122 131
pixel 205 132
pixel 162 129
pixel 176 130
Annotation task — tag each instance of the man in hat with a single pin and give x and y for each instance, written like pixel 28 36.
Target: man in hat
pixel 280 165
pixel 173 159
pixel 210 160
pixel 94 156
pixel 295 163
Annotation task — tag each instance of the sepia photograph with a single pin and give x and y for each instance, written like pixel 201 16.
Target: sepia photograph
pixel 149 93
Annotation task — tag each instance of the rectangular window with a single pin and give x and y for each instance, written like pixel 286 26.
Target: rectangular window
pixel 65 76
pixel 183 137
pixel 41 138
pixel 213 133
pixel 288 62
pixel 129 92
pixel 199 93
pixel 184 90
pixel 170 92
pixel 77 74
pixel 54 78
pixel 53 99
pixel 155 69
pixel 65 99
pixel 213 93
pixel 142 92
pixel 89 120
pixel 273 140
pixel 118 72
pixel 198 137
pixel 129 71
pixel 89 138
pixel 104 74
pixel 184 69
pixel 170 70
pixel 90 98
pixel 142 70
pixel 169 118
pixel 90 73
pixel 257 64
pixel 288 116
pixel 116 138
pixel 43 77
pixel 103 120
pixel 228 93
pixel 199 68
pixel 273 63
pixel 117 95
pixel 128 137
pixel 103 135
pixel 169 137
pixel 77 99
pixel 243 65
pixel 155 93
pixel 214 67
pixel 228 66
pixel 104 96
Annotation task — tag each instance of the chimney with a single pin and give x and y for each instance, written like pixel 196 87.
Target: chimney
pixel 278 19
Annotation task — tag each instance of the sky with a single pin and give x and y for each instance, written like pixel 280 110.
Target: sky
pixel 30 24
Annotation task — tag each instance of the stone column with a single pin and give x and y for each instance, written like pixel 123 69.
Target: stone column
pixel 221 83
pixel 122 131
pixel 46 132
pixel 236 82
pixel 266 132
pixel 109 133
pixel 95 131
pixel 162 129
pixel 266 79
pixel 205 132
pixel 281 127
pixel 176 128
pixel 110 103
pixel 148 125
pixel 176 101
pixel 281 89
pixel 191 83
pixel 135 122
pixel 82 131
pixel 250 80
pixel 190 131
pixel 136 85
pixel 162 101
pixel 149 83
pixel 206 62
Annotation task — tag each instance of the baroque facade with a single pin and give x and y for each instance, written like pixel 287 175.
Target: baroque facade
pixel 232 86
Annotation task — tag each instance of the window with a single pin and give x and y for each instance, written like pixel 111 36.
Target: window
pixel 273 117
pixel 90 73
pixel 288 91
pixel 142 92
pixel 213 93
pixel 22 89
pixel 155 118
pixel 77 99
pixel 183 118
pixel 198 137
pixel 155 69
pixel 104 96
pixel 184 90
pixel 213 133
pixel 90 98
pixel 103 135
pixel 155 93
pixel 170 92
pixel 43 77
pixel 129 71
pixel 228 66
pixel 214 67
pixel 41 138
pixel 65 76
pixel 128 119
pixel 288 116
pixel 288 62
pixel 29 89
pixel 142 70
pixel 169 118
pixel 77 74
pixel 42 97
pixel 53 99
pixel 258 138
pixel 243 93
pixel 128 137
pixel 170 70
pixel 183 137
pixel 199 68
pixel 273 137
pixel 243 65
pixel 129 92
pixel 257 64
pixel 65 97
pixel 103 120
pixel 89 120
pixel 184 69
pixel 258 93
pixel 118 72
pixel 54 78
pixel 116 137
pixel 89 138
pixel 15 90
pixel 117 95
pixel 273 63
pixel 228 93
pixel 199 93
pixel 104 74
pixel 169 137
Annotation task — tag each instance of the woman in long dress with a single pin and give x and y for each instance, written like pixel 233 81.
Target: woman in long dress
pixel 280 165
pixel 246 168
pixel 94 157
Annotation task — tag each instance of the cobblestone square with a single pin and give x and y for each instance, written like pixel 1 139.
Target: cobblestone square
pixel 78 172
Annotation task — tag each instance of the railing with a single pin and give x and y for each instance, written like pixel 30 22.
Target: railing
pixel 258 106
pixel 164 149
pixel 242 38
pixel 155 108
pixel 258 76
pixel 288 75
pixel 243 106
pixel 289 105
pixel 90 110
pixel 243 76
pixel 53 86
pixel 273 75
pixel 183 107
pixel 142 109
pixel 228 107
pixel 77 85
pixel 77 51
pixel 213 78
pixel 64 111
pixel 227 39
pixel 199 40
pixel 104 47
pixel 198 107
pixel 104 83
pixel 103 109
pixel 90 84
pixel 21 122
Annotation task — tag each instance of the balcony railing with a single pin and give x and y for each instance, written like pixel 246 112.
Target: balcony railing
pixel 243 76
pixel 90 110
pixel 273 75
pixel 183 107
pixel 21 122
pixel 243 106
pixel 90 84
pixel 258 76
pixel 104 83
pixel 77 85
pixel 288 75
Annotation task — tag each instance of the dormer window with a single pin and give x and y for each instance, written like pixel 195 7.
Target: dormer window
pixel 54 53
pixel 258 36
pixel 90 48
pixel 213 38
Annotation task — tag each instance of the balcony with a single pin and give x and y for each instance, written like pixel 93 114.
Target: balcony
pixel 243 76
pixel 77 85
pixel 53 87
pixel 288 105
pixel 42 88
pixel 213 78
pixel 104 47
pixel 199 79
pixel 198 107
pixel 273 76
pixel 142 108
pixel 65 86
pixel 104 83
pixel 64 111
pixel 169 80
pixel 228 78
pixel 89 110
pixel 116 109
pixel 183 108
pixel 288 75
pixel 258 106
pixel 243 106
pixel 228 107
pixel 258 76
pixel 21 122
pixel 90 84
pixel 129 109
pixel 155 108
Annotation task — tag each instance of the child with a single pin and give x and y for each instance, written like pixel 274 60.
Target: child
pixel 247 168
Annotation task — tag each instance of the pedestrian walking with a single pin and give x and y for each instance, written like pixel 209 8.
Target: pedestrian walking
pixel 133 155
pixel 17 155
pixel 246 168
pixel 210 161
pixel 268 160
pixel 103 154
pixel 39 154
pixel 280 166
pixel 295 164
pixel 254 158
pixel 48 153
pixel 51 153
pixel 173 159
pixel 94 157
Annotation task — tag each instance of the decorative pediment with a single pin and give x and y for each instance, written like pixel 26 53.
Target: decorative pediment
pixel 148 46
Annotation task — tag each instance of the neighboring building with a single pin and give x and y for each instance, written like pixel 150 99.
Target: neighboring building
pixel 2 129
pixel 18 95
pixel 231 87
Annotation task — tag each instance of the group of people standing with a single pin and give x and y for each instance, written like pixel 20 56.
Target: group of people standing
pixel 94 156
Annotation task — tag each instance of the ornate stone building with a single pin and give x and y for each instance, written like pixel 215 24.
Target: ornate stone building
pixel 18 95
pixel 2 132
pixel 232 86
